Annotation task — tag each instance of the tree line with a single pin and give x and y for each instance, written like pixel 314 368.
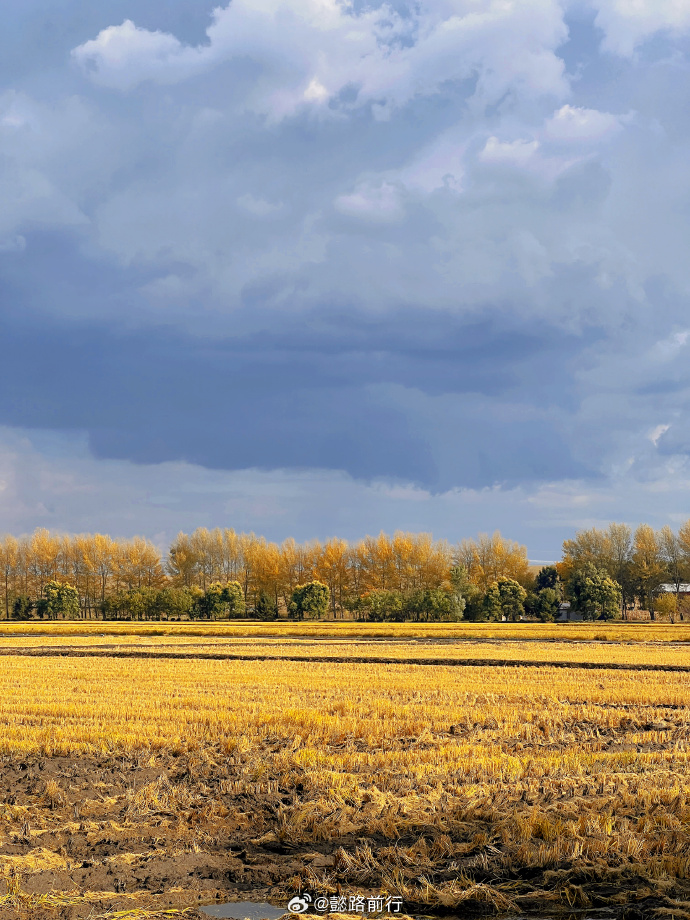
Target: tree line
pixel 405 575
pixel 215 574
pixel 637 562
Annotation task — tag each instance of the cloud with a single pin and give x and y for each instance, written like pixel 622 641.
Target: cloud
pixel 575 124
pixel 518 152
pixel 311 51
pixel 43 183
pixel 286 57
pixel 438 403
pixel 371 202
pixel 627 25
pixel 124 56
pixel 30 199
pixel 15 243
pixel 258 207
pixel 49 480
pixel 433 249
pixel 657 432
pixel 668 348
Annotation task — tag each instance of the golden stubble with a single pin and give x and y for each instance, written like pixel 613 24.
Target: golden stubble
pixel 488 768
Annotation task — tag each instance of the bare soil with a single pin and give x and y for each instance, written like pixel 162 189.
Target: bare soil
pixel 115 833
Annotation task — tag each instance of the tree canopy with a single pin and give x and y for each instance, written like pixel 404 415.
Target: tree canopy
pixel 310 601
pixel 212 574
pixel 594 594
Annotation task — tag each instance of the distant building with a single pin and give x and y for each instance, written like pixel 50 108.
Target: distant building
pixel 671 589
pixel 565 614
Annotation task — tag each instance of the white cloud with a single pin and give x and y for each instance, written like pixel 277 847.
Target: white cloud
pixel 124 56
pixel 518 152
pixel 657 432
pixel 565 139
pixel 316 92
pixel 46 175
pixel 30 200
pixel 257 206
pixel 372 202
pixel 668 348
pixel 439 164
pixel 311 50
pixel 308 50
pixel 573 124
pixel 629 23
pixel 303 55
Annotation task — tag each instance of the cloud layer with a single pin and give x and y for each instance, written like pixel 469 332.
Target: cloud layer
pixel 438 246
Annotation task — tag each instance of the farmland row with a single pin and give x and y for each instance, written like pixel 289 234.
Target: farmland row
pixel 664 656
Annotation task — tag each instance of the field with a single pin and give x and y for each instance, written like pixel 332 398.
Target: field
pixel 344 629
pixel 344 763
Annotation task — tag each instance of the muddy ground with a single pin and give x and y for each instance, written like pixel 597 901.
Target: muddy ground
pixel 83 836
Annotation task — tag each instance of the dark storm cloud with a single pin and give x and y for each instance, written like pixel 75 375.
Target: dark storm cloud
pixel 329 395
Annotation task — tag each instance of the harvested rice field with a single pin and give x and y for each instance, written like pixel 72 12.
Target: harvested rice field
pixel 349 629
pixel 135 786
pixel 535 652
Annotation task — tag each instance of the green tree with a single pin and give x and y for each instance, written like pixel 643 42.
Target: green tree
pixel 491 603
pixel 378 605
pixel 547 604
pixel 233 598
pixel 462 588
pixel 134 604
pixel 174 603
pixel 433 604
pixel 265 607
pixel 113 606
pixel 543 603
pixel 594 594
pixel 511 598
pixel 59 600
pixel 211 605
pixel 310 600
pixel 22 607
pixel 468 595
pixel 385 605
pixel 547 577
pixel 141 604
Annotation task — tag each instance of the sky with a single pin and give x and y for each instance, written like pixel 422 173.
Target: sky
pixel 313 268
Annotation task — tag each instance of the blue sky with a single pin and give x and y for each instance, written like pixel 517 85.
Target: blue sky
pixel 311 268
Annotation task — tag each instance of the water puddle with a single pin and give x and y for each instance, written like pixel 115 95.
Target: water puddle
pixel 244 910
